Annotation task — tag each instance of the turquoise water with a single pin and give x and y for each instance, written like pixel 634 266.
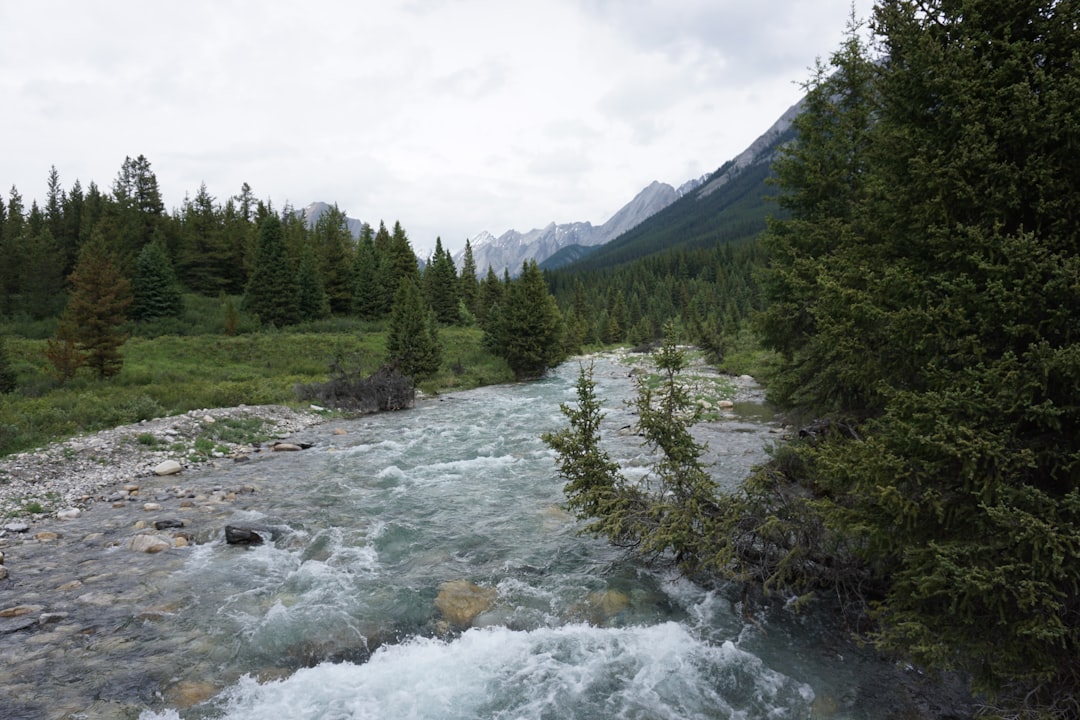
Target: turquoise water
pixel 338 616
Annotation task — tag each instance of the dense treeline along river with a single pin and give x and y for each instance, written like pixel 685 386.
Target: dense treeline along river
pixel 346 611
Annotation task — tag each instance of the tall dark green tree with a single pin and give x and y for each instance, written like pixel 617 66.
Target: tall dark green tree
pixel 313 302
pixel 926 294
pixel 334 245
pixel 154 288
pixel 441 286
pixel 412 340
pixel 96 309
pixel 470 284
pixel 527 331
pixel 272 292
pixel 368 293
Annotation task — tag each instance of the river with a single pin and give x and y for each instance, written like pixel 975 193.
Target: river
pixel 339 615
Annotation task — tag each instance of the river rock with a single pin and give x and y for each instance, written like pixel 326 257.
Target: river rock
pixel 236 535
pixel 168 523
pixel 69 513
pixel 17 527
pixel 460 601
pixel 20 610
pixel 147 543
pixel 168 467
pixel 3 573
pixel 286 447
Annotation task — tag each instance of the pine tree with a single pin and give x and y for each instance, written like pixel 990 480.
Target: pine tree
pixel 441 286
pixel 412 341
pixel 527 331
pixel 95 310
pixel 272 292
pixel 313 302
pixel 368 293
pixel 334 241
pixel 470 284
pixel 925 291
pixel 155 293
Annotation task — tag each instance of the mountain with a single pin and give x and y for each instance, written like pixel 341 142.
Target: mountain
pixel 731 205
pixel 315 210
pixel 512 248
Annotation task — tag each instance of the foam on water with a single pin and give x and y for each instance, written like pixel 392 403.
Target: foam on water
pixel 574 671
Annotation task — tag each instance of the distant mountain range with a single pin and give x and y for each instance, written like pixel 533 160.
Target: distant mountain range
pixel 689 214
pixel 512 248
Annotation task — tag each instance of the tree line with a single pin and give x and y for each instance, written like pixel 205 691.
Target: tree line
pixel 99 264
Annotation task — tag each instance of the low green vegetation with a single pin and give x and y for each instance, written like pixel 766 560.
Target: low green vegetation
pixel 170 374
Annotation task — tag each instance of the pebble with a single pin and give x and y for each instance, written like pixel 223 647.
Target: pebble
pixel 71 472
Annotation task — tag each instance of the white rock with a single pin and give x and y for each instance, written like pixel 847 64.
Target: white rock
pixel 147 543
pixel 69 514
pixel 209 419
pixel 168 467
pixel 17 526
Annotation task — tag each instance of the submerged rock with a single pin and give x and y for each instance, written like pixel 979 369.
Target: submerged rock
pixel 460 601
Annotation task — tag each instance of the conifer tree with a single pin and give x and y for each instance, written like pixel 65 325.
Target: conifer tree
pixel 272 292
pixel 412 340
pixel 470 284
pixel 154 289
pixel 333 241
pixel 924 290
pixel 95 310
pixel 368 293
pixel 527 331
pixel 441 286
pixel 313 303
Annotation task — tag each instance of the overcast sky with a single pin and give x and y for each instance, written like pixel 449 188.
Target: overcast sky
pixel 452 116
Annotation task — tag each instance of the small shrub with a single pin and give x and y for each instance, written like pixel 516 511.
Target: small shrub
pixel 348 389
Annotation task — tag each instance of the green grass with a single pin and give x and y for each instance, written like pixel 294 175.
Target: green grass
pixel 171 374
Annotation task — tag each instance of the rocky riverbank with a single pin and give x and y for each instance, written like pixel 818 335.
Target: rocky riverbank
pixel 68 475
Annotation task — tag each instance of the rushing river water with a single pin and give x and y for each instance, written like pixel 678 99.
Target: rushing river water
pixel 338 616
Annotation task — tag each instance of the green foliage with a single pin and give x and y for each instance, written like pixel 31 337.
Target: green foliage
pixel 272 291
pixel 441 286
pixel 924 291
pixel 412 339
pixel 154 290
pixel 674 510
pixel 312 300
pixel 527 329
pixel 95 311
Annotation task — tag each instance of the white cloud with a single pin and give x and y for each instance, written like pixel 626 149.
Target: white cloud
pixel 452 116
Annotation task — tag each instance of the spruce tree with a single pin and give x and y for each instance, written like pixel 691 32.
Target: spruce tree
pixel 441 286
pixel 527 331
pixel 412 340
pixel 470 284
pixel 924 291
pixel 333 243
pixel 368 293
pixel 312 299
pixel 154 289
pixel 95 310
pixel 272 292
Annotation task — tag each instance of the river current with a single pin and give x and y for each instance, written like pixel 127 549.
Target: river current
pixel 338 615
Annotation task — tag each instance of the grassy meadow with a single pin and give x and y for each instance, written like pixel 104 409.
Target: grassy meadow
pixel 170 374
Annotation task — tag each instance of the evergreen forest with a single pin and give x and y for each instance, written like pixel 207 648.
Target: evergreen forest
pixel 904 277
